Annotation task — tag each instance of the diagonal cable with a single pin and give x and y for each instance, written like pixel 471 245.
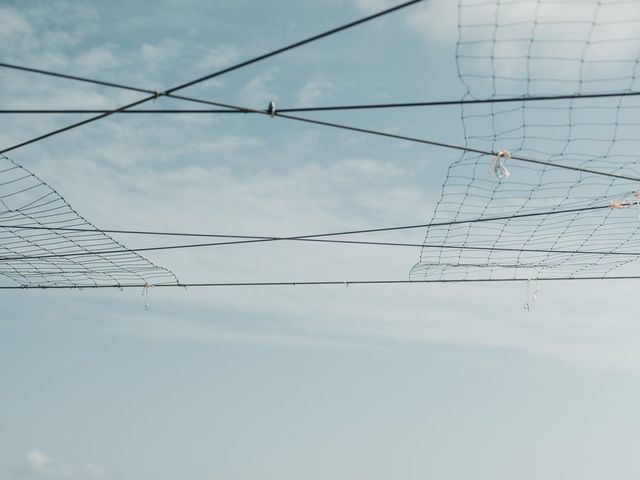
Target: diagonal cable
pixel 212 75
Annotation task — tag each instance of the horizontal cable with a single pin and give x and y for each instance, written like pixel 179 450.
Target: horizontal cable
pixel 373 106
pixel 382 244
pixel 282 114
pixel 316 283
pixel 156 94
pixel 142 110
pixel 298 237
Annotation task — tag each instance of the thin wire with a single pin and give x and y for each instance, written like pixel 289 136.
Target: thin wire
pixel 74 125
pixel 435 103
pixel 317 283
pixel 210 76
pixel 452 146
pixel 84 111
pixel 279 113
pixel 295 45
pixel 367 131
pixel 443 103
pixel 75 77
pixel 347 242
pixel 301 237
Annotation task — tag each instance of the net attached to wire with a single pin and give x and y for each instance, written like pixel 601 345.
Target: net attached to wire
pixel 534 48
pixel 41 257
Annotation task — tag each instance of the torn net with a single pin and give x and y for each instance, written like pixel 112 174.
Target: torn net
pixel 531 48
pixel 40 257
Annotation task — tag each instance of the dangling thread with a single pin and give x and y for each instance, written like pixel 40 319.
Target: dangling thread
pixel 497 164
pixel 145 294
pixel 534 297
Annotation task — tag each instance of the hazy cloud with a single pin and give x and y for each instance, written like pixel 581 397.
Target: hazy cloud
pixel 42 465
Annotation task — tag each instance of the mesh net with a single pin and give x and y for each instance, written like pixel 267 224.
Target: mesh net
pixel 534 48
pixel 32 257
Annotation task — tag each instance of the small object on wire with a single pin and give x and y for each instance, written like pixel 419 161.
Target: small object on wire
pixel 271 109
pixel 624 202
pixel 619 203
pixel 497 163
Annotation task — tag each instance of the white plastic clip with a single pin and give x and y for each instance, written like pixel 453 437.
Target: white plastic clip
pixel 497 164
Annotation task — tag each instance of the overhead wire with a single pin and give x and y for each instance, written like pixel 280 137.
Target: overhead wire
pixel 353 242
pixel 280 113
pixel 452 146
pixel 283 113
pixel 433 103
pixel 298 237
pixel 317 283
pixel 218 73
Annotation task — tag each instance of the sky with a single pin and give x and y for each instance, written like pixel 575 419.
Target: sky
pixel 409 381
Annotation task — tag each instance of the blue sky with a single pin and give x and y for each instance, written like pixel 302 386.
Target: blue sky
pixel 378 381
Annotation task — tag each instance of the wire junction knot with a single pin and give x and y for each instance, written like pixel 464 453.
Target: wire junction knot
pixel 271 109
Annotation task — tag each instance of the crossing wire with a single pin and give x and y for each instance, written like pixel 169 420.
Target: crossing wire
pixel 218 73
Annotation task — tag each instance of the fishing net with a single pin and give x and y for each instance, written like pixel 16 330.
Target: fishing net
pixel 531 48
pixel 31 254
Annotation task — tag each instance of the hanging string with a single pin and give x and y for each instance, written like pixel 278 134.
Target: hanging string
pixel 531 299
pixel 145 294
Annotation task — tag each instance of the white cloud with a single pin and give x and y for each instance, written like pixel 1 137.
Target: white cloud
pixel 435 20
pixel 14 25
pixel 97 59
pixel 38 460
pixel 42 465
pixel 225 144
pixel 217 57
pixel 260 90
pixel 161 52
pixel 314 91
pixel 371 6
